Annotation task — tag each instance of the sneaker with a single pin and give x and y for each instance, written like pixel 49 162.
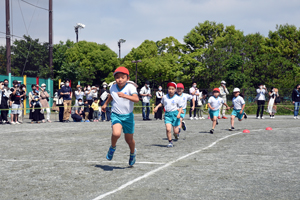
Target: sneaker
pixel 208 118
pixel 295 117
pixel 110 153
pixel 212 131
pixel 191 118
pixel 132 158
pixel 196 118
pixel 17 122
pixel 12 123
pixel 262 117
pixel 219 117
pixel 87 120
pixel 170 144
pixel 232 128
pixel 183 125
pixel 224 117
pixel 257 118
pixel 273 117
pixel 202 117
pixel 245 116
pixel 176 136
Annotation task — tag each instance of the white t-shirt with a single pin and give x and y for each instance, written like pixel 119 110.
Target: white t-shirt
pixel 192 89
pixel 261 94
pixel 89 96
pixel 79 95
pixel 215 102
pixel 171 104
pixel 238 102
pixel 144 90
pixel 121 105
pixel 184 98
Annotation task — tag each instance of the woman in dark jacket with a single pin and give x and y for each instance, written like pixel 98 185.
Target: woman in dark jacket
pixel 159 95
pixel 296 100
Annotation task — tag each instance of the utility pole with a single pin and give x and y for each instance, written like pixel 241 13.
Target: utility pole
pixel 50 38
pixel 8 50
pixel 136 62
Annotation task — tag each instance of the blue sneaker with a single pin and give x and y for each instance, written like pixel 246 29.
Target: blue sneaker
pixel 110 153
pixel 183 126
pixel 87 120
pixel 132 158
pixel 170 144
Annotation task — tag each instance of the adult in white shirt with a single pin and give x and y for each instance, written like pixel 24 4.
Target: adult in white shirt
pixel 223 93
pixel 146 96
pixel 159 96
pixel 194 91
pixel 89 97
pixel 261 100
pixel 78 94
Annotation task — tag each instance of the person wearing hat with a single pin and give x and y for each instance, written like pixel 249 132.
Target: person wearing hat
pixel 238 105
pixel 173 108
pixel 44 101
pixel 223 93
pixel 60 103
pixel 214 104
pixel 104 93
pixel 145 92
pixel 123 96
pixel 194 91
pixel 78 93
pixel 31 97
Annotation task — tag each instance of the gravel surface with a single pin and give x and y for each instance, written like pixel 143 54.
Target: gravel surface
pixel 67 161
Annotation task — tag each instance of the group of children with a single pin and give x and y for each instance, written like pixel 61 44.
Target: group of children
pixel 124 95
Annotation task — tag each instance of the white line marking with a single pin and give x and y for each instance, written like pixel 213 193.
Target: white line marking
pixel 77 161
pixel 162 167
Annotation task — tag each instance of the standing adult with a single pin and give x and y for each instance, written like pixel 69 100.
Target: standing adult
pixel 60 103
pixel 296 100
pixel 36 115
pixel 66 93
pixel 159 96
pixel 261 100
pixel 16 103
pixel 4 102
pixel 23 97
pixel 89 98
pixel 78 93
pixel 104 93
pixel 146 96
pixel 195 93
pixel 44 101
pixel 223 93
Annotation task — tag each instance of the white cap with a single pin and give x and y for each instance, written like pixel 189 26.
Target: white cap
pixel 236 90
pixel 62 83
pixel 43 85
pixel 223 82
pixel 104 83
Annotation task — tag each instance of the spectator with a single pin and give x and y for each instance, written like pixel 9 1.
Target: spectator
pixel 200 104
pixel 77 111
pixel 66 93
pixel 296 100
pixel 15 82
pixel 44 102
pixel 61 103
pixel 261 100
pixel 37 114
pixel 89 97
pixel 30 99
pixel 223 93
pixel 55 101
pixel 272 108
pixel 95 92
pixel 146 96
pixel 159 96
pixel 195 93
pixel 5 93
pixel 23 97
pixel 78 93
pixel 104 93
pixel 86 110
pixel 95 107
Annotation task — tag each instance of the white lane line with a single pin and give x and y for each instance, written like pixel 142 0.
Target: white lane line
pixel 77 161
pixel 162 167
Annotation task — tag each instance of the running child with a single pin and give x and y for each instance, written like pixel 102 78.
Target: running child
pixel 184 97
pixel 214 103
pixel 238 107
pixel 171 103
pixel 123 96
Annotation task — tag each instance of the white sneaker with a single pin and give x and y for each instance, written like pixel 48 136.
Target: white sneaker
pixel 191 118
pixel 273 117
pixel 295 117
pixel 17 122
pixel 203 117
pixel 12 122
pixel 196 118
pixel 262 118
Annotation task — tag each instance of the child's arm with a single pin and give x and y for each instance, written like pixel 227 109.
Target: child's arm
pixel 242 108
pixel 133 98
pixel 226 105
pixel 208 104
pixel 157 107
pixel 109 99
pixel 178 115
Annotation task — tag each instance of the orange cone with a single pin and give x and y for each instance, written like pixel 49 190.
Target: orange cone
pixel 269 129
pixel 246 131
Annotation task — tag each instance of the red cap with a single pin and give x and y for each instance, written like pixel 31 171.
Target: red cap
pixel 180 85
pixel 123 70
pixel 172 84
pixel 216 90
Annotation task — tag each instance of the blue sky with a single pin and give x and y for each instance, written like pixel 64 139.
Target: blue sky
pixel 137 20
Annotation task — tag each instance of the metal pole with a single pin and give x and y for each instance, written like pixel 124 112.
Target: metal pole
pixel 76 31
pixel 136 72
pixel 8 50
pixel 50 38
pixel 119 44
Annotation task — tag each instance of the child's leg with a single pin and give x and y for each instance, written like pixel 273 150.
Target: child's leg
pixel 116 133
pixel 214 119
pixel 232 120
pixel 201 111
pixel 180 125
pixel 168 132
pixel 176 129
pixel 130 141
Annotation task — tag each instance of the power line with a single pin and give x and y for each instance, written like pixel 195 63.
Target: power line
pixel 35 5
pixel 12 35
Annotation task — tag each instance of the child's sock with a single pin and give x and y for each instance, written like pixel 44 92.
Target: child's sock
pixel 113 147
pixel 170 140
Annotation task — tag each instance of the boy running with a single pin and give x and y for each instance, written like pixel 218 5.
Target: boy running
pixel 171 103
pixel 184 97
pixel 238 107
pixel 214 103
pixel 123 96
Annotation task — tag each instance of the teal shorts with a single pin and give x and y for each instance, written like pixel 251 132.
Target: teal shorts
pixel 127 121
pixel 213 113
pixel 171 118
pixel 237 113
pixel 183 115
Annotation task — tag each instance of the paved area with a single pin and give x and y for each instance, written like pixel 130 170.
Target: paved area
pixel 67 161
